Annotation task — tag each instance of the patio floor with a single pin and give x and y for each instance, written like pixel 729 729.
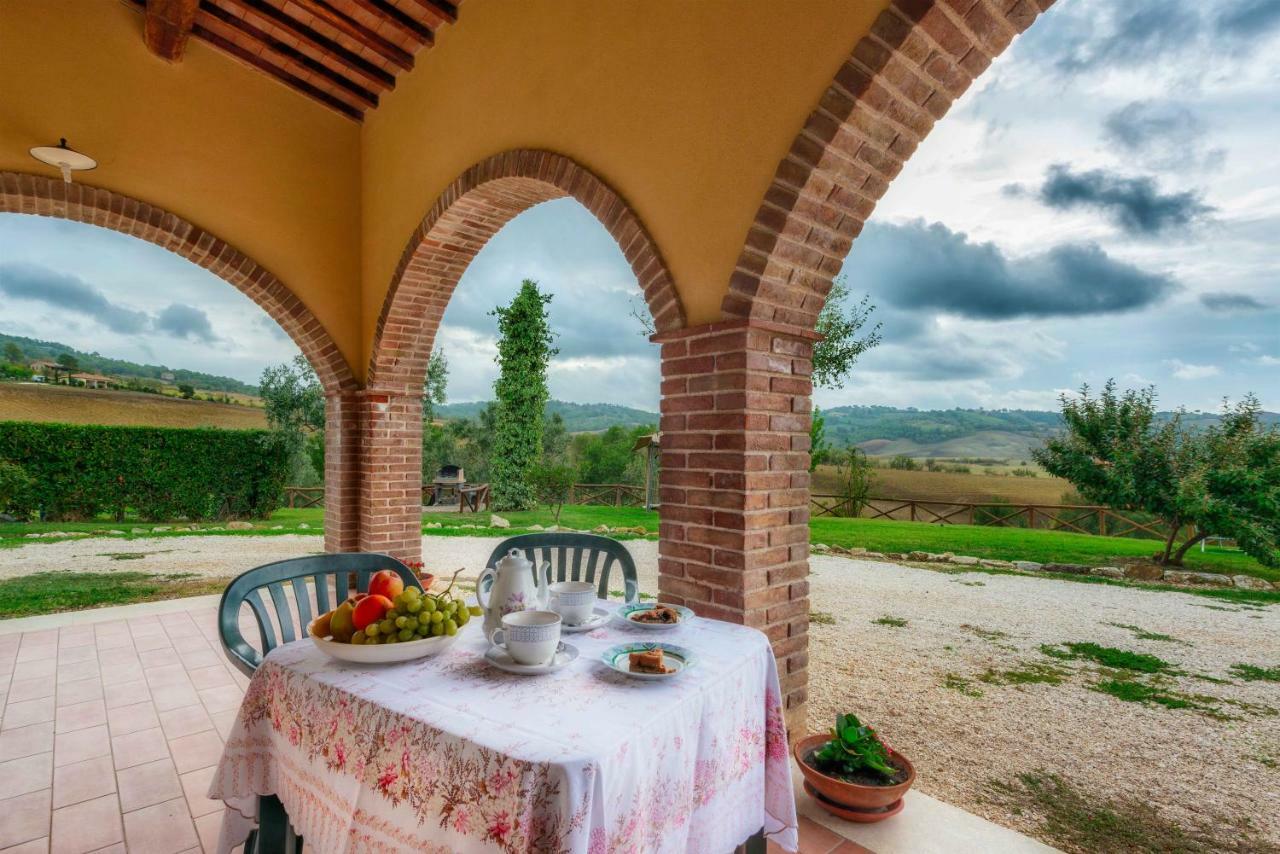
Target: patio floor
pixel 114 719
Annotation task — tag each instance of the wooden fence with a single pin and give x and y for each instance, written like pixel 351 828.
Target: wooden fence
pixel 606 494
pixel 473 497
pixel 1076 518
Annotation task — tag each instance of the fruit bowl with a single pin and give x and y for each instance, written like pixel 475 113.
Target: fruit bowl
pixel 384 653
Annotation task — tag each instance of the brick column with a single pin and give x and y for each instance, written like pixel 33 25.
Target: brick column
pixel 391 473
pixel 373 473
pixel 735 483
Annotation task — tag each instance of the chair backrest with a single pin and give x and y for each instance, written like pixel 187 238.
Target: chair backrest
pixel 330 578
pixel 576 557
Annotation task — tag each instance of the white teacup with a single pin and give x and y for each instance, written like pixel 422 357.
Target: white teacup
pixel 529 637
pixel 573 601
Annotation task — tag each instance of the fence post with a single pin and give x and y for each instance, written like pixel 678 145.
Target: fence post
pixel 617 496
pixel 913 510
pixel 1102 522
pixel 1031 518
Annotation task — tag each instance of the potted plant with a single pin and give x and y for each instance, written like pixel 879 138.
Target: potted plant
pixel 852 773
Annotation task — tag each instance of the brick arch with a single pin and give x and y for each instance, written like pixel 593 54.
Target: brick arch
pixel 36 194
pixel 471 210
pixel 901 77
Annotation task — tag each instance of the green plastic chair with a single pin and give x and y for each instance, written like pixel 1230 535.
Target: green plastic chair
pixel 275 834
pixel 576 557
pixel 295 573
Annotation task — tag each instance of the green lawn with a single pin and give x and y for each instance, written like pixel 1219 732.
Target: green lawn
pixel 47 592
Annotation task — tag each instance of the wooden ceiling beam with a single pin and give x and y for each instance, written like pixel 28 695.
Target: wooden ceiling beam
pixel 281 55
pixel 419 32
pixel 167 26
pixel 322 11
pixel 289 80
pixel 373 76
pixel 446 13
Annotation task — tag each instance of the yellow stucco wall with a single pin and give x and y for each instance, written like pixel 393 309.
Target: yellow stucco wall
pixel 686 108
pixel 235 152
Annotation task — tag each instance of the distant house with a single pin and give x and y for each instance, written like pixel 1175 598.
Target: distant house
pixel 93 380
pixel 46 370
pixel 167 376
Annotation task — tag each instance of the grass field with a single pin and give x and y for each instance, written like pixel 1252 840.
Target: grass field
pixel 39 402
pixel 974 487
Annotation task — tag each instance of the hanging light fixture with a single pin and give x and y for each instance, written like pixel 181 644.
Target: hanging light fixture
pixel 65 158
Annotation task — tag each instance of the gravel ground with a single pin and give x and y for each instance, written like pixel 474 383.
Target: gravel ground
pixel 1185 763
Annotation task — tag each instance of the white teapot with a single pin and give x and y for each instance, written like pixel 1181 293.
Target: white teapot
pixel 511 585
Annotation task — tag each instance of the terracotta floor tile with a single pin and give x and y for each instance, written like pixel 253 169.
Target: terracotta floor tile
pixel 81 781
pixel 35 846
pixel 173 696
pixel 114 673
pixel 161 657
pixel 151 642
pixel 848 847
pixel 165 828
pixel 195 784
pixel 224 721
pixel 210 677
pixel 24 741
pixel 222 699
pixel 199 658
pixel 169 673
pixel 80 715
pixel 79 692
pixel 41 652
pixel 118 848
pixel 25 817
pixel 816 838
pixel 196 751
pixel 75 636
pixel 125 693
pixel 191 643
pixel 28 774
pixel 72 747
pixel 36 668
pixel 27 712
pixel 87 826
pixel 72 654
pixel 126 719
pixel 136 748
pixel 209 827
pixel 185 721
pixel 30 689
pixel 148 784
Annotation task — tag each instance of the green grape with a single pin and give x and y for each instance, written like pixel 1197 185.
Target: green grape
pixel 387 626
pixel 437 629
pixel 392 614
pixel 463 617
pixel 391 639
pixel 371 630
pixel 405 634
pixel 423 630
pixel 450 627
pixel 413 606
pixel 429 604
pixel 476 610
pixel 412 593
pixel 437 617
pixel 358 639
pixel 401 622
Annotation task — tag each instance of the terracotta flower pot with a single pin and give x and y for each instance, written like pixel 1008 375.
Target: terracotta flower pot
pixel 852 801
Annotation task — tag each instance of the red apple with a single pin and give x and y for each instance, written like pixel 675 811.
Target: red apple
pixel 386 582
pixel 370 609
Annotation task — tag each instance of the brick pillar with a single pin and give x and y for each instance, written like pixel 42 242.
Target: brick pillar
pixel 391 473
pixel 342 471
pixel 735 483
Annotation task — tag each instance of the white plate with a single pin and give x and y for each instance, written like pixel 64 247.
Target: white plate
pixel 624 612
pixel 595 621
pixel 676 658
pixel 383 653
pixel 501 659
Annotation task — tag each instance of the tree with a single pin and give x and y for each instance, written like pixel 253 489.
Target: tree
pixel 840 347
pixel 187 391
pixel 12 352
pixel 819 451
pixel 524 351
pixel 68 362
pixel 435 385
pixel 294 404
pixel 855 478
pixel 1223 480
pixel 552 482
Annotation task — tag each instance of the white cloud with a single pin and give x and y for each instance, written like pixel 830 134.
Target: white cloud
pixel 1181 370
pixel 1266 361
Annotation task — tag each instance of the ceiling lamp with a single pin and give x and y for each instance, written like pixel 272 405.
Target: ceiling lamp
pixel 67 159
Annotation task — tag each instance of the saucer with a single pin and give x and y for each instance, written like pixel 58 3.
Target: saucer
pixel 624 614
pixel 595 621
pixel 677 658
pixel 565 655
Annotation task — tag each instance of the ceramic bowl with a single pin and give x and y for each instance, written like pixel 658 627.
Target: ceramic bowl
pixel 383 653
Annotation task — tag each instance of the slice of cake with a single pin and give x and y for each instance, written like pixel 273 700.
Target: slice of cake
pixel 648 661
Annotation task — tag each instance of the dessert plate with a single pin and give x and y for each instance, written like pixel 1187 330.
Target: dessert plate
pixel 676 658
pixel 565 655
pixel 624 613
pixel 595 621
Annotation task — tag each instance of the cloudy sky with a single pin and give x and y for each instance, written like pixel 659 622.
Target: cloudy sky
pixel 1104 202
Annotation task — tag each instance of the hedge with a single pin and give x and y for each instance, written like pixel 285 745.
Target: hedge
pixel 80 471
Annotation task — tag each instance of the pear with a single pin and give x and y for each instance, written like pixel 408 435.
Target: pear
pixel 341 625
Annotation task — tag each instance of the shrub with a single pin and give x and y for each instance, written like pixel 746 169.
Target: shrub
pixel 15 490
pixel 78 471
pixel 902 462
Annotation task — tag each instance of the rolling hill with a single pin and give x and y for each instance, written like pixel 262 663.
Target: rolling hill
pixel 38 402
pixel 578 417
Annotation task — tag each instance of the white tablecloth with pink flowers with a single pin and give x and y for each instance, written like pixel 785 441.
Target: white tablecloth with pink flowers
pixel 447 754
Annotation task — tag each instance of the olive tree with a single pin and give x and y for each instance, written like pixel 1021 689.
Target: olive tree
pixel 1222 481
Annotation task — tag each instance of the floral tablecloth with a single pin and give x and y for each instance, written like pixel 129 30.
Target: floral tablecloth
pixel 447 754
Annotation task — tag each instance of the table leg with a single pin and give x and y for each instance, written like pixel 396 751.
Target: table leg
pixel 275 835
pixel 755 843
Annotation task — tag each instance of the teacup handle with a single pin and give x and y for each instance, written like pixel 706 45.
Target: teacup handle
pixel 498 637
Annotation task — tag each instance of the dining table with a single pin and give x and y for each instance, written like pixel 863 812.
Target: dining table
pixel 449 754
